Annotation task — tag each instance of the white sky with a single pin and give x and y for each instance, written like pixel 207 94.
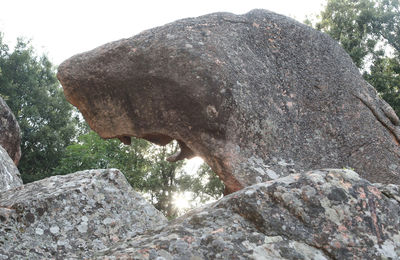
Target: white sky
pixel 62 28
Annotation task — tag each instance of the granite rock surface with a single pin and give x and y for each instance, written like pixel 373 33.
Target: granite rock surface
pixel 321 214
pixel 72 216
pixel 9 174
pixel 10 134
pixel 258 96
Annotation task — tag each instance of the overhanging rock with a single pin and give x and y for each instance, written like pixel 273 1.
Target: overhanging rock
pixel 72 215
pixel 258 96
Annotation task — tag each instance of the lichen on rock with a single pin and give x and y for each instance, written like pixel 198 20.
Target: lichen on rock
pixel 76 214
pixel 245 92
pixel 262 99
pixel 322 214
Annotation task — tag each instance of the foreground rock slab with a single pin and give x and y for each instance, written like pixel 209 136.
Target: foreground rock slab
pixel 75 214
pixel 323 214
pixel 9 174
pixel 10 133
pixel 258 96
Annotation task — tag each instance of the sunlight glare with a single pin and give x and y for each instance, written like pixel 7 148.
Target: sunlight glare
pixel 192 165
pixel 181 201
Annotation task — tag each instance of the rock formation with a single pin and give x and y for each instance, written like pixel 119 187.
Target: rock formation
pixel 10 134
pixel 9 174
pixel 77 214
pixel 323 214
pixel 258 96
pixel 261 98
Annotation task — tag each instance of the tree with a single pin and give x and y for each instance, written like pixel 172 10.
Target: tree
pixel 369 30
pixel 145 167
pixel 50 145
pixel 30 88
pixel 160 182
pixel 90 151
pixel 205 185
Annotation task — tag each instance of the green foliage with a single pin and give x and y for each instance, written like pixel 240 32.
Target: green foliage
pixel 160 182
pixel 205 185
pixel 50 145
pixel 30 88
pixel 369 30
pixel 350 23
pixel 92 152
pixel 385 77
pixel 145 167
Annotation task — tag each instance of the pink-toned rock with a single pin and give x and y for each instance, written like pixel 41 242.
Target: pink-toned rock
pixel 314 215
pixel 258 96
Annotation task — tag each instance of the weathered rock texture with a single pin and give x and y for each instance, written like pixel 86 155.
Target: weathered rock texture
pixel 10 135
pixel 323 214
pixel 9 174
pixel 73 215
pixel 258 96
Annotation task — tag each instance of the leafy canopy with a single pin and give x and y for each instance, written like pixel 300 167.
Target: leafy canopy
pixel 146 169
pixel 30 88
pixel 54 141
pixel 369 30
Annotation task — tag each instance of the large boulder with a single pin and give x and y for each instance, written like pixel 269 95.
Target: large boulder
pixel 258 96
pixel 10 134
pixel 322 214
pixel 9 174
pixel 76 214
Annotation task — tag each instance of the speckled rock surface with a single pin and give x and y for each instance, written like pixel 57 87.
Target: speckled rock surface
pixel 322 214
pixel 72 215
pixel 10 134
pixel 258 96
pixel 9 174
